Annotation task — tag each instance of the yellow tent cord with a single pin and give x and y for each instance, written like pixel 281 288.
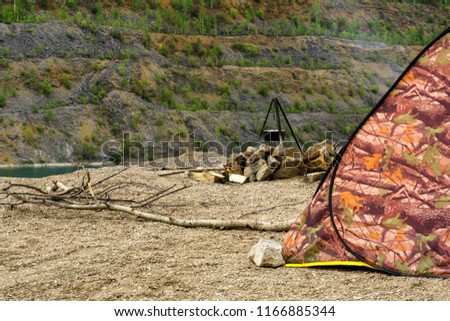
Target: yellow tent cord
pixel 330 263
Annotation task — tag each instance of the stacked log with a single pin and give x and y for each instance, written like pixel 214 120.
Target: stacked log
pixel 266 162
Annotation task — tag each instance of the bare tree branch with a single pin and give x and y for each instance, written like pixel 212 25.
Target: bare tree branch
pixel 87 197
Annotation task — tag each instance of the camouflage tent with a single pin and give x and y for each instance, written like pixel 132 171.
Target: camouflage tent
pixel 385 202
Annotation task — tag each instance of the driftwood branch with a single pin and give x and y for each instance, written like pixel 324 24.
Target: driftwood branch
pixel 92 197
pixel 193 170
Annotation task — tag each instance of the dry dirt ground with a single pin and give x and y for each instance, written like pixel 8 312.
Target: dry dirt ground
pixel 52 254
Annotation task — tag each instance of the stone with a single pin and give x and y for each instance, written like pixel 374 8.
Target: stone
pixel 290 167
pixel 314 177
pixel 273 163
pixel 263 172
pixel 266 253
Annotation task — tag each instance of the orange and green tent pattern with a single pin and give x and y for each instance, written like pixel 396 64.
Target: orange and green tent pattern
pixel 386 201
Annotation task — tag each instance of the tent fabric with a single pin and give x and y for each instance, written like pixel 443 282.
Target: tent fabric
pixel 386 200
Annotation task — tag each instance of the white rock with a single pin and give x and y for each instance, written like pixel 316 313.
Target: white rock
pixel 266 253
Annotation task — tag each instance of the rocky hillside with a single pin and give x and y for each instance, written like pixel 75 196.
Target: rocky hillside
pixel 73 78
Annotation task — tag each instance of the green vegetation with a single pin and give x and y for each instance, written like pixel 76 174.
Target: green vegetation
pixel 88 150
pixel 247 48
pixel 49 116
pixel 264 90
pixel 67 83
pixel 160 120
pixel 46 88
pixel 216 17
pixel 28 135
pixel 117 34
pixel 223 130
pixel 189 78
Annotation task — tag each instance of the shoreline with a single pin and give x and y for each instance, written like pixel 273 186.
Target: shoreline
pixel 6 166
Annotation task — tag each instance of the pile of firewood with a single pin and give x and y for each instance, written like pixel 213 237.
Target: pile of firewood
pixel 266 162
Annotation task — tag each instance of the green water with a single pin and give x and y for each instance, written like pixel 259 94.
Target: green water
pixel 38 172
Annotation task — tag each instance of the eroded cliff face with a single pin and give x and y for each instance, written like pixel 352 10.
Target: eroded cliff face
pixel 70 86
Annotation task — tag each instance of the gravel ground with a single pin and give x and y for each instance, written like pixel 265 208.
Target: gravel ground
pixel 53 254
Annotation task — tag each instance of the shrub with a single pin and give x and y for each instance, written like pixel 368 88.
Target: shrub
pixel 163 50
pixel 199 50
pixel 97 8
pixel 307 127
pixel 188 48
pixel 250 13
pixel 2 101
pixel 245 62
pixel 159 120
pixel 263 90
pixel 125 54
pixel 95 66
pixel 375 89
pixel 193 62
pixel 147 40
pixel 225 90
pixel 234 13
pixel 88 150
pixel 31 81
pixel 49 115
pixel 4 51
pixel 28 135
pixel 82 100
pixel 72 3
pixel 332 107
pixel 117 34
pixel 246 48
pixel 361 91
pixel 222 130
pixel 66 82
pixel 46 88
pixel 99 93
pixel 261 14
pixel 122 70
pixel 166 97
pixel 296 107
pixel 40 128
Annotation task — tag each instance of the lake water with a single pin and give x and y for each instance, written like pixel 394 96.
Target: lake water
pixel 38 172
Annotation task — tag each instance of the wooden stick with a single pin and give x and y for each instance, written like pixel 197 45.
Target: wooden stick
pixel 194 170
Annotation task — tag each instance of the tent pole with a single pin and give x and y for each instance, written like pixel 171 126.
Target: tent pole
pixel 289 125
pixel 277 114
pixel 265 120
